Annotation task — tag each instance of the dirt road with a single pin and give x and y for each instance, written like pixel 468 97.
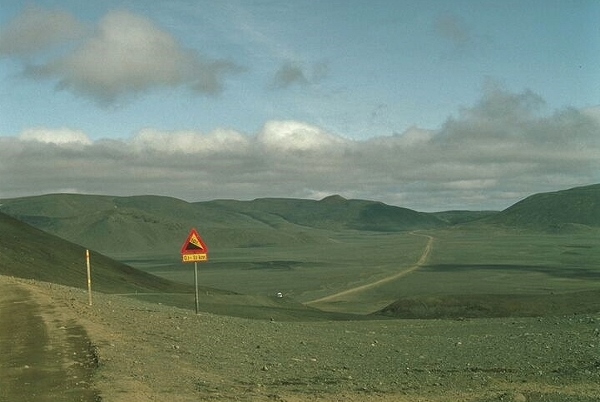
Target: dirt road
pixel 422 260
pixel 154 352
pixel 43 358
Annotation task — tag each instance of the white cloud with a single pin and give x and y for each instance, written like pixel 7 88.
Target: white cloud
pixel 37 29
pixel 127 54
pixel 60 136
pixel 296 136
pixel 489 156
pixel 190 142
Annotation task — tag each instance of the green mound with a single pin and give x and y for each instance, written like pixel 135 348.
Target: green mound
pixel 157 225
pixel 494 305
pixel 27 252
pixel 560 211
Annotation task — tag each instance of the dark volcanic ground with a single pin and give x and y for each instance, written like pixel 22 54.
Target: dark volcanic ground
pixel 43 357
pixel 152 352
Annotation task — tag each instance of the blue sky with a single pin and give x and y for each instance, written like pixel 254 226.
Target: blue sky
pixel 309 78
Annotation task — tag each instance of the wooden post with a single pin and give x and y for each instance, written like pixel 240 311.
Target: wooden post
pixel 89 276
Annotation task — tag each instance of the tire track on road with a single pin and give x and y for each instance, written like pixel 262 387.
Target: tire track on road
pixel 42 358
pixel 422 260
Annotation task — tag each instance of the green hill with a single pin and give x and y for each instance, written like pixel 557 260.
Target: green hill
pixel 493 305
pixel 458 217
pixel 333 212
pixel 30 253
pixel 27 252
pixel 300 247
pixel 158 225
pixel 564 210
pixel 141 224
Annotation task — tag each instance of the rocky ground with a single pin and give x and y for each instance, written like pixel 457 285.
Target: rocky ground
pixel 140 351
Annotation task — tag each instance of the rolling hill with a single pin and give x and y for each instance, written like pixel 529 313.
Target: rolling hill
pixel 333 212
pixel 30 253
pixel 27 252
pixel 157 225
pixel 148 224
pixel 153 224
pixel 463 216
pixel 273 240
pixel 571 209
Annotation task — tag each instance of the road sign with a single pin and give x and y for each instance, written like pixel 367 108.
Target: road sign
pixel 194 249
pixel 194 257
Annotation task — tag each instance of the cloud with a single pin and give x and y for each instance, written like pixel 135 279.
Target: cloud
pixel 593 113
pixel 459 37
pixel 453 29
pixel 38 29
pixel 190 142
pixel 58 137
pixel 488 156
pixel 287 75
pixel 290 74
pixel 126 55
pixel 292 136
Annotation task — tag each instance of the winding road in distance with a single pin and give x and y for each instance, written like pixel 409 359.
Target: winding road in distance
pixel 422 260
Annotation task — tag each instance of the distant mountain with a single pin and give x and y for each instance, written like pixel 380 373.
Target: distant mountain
pixel 458 217
pixel 334 212
pixel 153 224
pixel 107 224
pixel 571 209
pixel 27 252
pixel 158 225
pixel 148 224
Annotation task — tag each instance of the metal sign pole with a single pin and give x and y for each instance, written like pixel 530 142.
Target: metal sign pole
pixel 196 282
pixel 195 250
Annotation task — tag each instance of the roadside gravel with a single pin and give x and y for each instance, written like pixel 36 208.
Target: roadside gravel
pixel 153 352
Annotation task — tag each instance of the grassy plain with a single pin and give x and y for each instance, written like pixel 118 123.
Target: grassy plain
pixel 490 259
pixel 347 256
pixel 521 306
pixel 469 261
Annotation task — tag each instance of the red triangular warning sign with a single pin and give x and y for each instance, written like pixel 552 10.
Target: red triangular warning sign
pixel 194 244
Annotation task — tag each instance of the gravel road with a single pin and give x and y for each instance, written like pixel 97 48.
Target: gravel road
pixel 44 356
pixel 152 352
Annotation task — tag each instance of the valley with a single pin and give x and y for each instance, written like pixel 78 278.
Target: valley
pixel 420 263
pixel 378 303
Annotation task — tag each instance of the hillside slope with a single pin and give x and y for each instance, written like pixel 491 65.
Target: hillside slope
pixel 158 225
pixel 154 225
pixel 559 210
pixel 27 252
pixel 140 224
pixel 333 212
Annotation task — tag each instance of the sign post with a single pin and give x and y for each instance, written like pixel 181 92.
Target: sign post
pixel 194 250
pixel 89 276
pixel 196 285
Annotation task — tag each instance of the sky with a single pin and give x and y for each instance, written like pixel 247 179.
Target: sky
pixel 429 105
